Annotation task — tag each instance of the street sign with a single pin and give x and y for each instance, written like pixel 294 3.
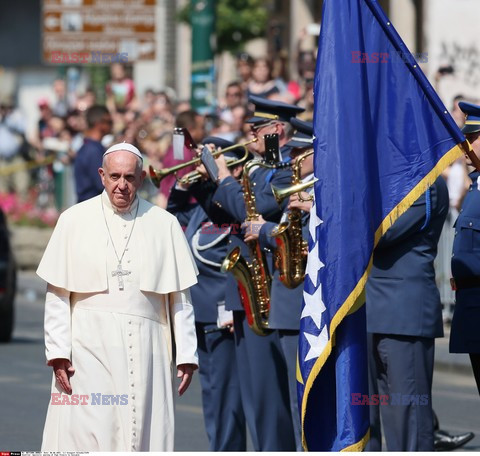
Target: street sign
pixel 98 31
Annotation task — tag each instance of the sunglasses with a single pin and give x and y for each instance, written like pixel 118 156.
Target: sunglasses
pixel 256 128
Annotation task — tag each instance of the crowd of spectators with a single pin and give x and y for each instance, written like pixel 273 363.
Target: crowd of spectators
pixel 146 120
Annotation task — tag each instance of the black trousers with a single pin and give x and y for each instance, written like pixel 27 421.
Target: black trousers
pixel 401 367
pixel 264 387
pixel 475 360
pixel 222 404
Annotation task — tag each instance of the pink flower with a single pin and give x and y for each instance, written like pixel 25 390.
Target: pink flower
pixel 8 201
pixel 26 212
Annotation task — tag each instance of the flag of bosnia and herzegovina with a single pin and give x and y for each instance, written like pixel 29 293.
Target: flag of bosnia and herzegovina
pixel 382 137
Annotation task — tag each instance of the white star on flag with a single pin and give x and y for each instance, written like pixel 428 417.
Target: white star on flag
pixel 317 343
pixel 315 221
pixel 314 306
pixel 314 264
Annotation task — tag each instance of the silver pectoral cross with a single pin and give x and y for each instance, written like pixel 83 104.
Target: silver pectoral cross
pixel 119 272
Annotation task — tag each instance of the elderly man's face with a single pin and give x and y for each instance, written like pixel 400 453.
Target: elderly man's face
pixel 259 131
pixel 121 177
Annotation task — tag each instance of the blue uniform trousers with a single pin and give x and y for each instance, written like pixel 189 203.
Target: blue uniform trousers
pixel 289 344
pixel 264 387
pixel 222 404
pixel 402 366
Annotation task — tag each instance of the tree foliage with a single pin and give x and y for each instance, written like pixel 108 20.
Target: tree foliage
pixel 237 21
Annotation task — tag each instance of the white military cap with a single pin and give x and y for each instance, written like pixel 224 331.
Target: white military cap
pixel 124 146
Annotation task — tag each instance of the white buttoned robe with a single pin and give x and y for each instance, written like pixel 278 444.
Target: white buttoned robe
pixel 119 341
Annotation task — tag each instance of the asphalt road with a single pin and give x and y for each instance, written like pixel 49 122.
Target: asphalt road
pixel 25 388
pixel 25 382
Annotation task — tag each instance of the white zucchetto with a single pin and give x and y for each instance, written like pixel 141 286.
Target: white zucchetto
pixel 124 146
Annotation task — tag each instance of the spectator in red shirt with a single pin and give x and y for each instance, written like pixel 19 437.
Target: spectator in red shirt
pixel 195 124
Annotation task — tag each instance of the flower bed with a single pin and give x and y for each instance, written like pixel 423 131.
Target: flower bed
pixel 26 213
pixel 30 228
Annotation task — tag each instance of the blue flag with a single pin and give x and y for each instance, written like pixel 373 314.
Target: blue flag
pixel 382 137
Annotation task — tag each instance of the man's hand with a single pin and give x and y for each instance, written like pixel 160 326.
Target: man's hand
pixel 223 170
pixel 229 325
pixel 203 171
pixel 63 370
pixel 200 168
pixel 252 229
pixel 294 202
pixel 185 372
pixel 199 149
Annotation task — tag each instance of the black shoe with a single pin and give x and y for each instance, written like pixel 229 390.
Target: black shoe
pixel 443 441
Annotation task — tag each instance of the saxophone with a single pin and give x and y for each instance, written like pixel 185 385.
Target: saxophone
pixel 289 258
pixel 253 279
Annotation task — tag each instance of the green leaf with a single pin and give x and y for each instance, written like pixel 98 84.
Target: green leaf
pixel 237 21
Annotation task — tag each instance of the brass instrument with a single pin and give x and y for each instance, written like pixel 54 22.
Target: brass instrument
pixel 253 279
pixel 156 175
pixel 281 193
pixel 194 176
pixel 289 258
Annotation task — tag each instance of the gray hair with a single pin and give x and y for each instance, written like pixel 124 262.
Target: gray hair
pixel 289 130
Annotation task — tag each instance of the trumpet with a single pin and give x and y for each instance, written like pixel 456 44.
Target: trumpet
pixel 194 176
pixel 281 193
pixel 156 175
pixel 297 186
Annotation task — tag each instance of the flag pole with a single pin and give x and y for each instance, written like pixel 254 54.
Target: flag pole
pixel 467 149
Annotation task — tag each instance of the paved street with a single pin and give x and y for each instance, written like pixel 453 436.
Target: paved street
pixel 25 386
pixel 25 382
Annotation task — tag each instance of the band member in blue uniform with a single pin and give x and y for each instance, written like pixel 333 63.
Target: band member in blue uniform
pixel 404 317
pixel 263 372
pixel 286 302
pixel 269 117
pixel 222 405
pixel 465 335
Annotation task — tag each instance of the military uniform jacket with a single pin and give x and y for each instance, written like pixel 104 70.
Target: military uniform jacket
pixel 229 197
pixel 465 334
pixel 229 194
pixel 204 192
pixel 209 245
pixel 286 303
pixel 402 296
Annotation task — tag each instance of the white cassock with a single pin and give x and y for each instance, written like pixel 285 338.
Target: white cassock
pixel 119 341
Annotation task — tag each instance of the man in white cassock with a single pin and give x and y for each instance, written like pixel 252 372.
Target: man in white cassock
pixel 118 271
